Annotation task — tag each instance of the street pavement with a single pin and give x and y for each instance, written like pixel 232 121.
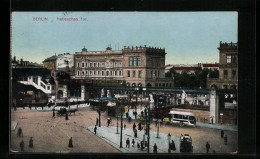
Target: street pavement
pixel 110 135
pixel 198 124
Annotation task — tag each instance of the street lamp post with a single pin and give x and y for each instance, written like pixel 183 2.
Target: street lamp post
pixel 77 98
pixel 116 121
pixel 148 129
pixel 169 139
pixel 121 124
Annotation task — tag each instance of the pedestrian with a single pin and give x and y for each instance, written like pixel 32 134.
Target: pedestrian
pixel 97 121
pixel 173 146
pixel 124 126
pixel 225 139
pixel 126 114
pixel 142 113
pixel 95 129
pixel 135 133
pixel 138 145
pixel 222 133
pixel 30 107
pixel 42 107
pixel 70 143
pixel 128 143
pixel 155 148
pixel 129 119
pixel 211 120
pixel 35 107
pixel 20 132
pixel 133 143
pixel 53 114
pixel 134 126
pixel 139 126
pixel 66 117
pixel 22 145
pixel 142 145
pixel 207 147
pixel 108 122
pixel 31 143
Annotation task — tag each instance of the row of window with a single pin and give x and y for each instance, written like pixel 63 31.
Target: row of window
pixel 99 73
pixel 233 76
pixel 163 85
pixel 99 64
pixel 134 74
pixel 134 61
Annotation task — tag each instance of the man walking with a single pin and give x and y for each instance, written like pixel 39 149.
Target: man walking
pixel 31 143
pixel 222 133
pixel 22 145
pixel 173 146
pixel 20 132
pixel 127 143
pixel 155 148
pixel 124 126
pixel 108 122
pixel 70 143
pixel 135 133
pixel 97 121
pixel 139 126
pixel 95 129
pixel 133 143
pixel 207 147
pixel 134 126
pixel 66 117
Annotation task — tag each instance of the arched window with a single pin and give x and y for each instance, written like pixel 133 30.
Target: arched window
pixel 60 94
pixel 213 86
pixel 148 85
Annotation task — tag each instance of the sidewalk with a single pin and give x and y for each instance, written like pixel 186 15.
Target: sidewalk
pixel 109 134
pixel 217 126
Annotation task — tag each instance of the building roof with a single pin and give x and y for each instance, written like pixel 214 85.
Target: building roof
pixel 30 72
pixel 52 58
pixel 210 65
pixel 186 68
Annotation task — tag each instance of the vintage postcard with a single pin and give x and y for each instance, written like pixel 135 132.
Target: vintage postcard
pixel 124 82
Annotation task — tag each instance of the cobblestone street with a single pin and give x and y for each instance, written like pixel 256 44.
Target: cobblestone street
pixel 53 134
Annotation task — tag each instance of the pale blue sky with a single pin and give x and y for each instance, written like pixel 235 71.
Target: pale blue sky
pixel 188 37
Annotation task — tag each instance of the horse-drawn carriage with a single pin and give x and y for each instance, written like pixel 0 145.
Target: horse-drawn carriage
pixel 186 143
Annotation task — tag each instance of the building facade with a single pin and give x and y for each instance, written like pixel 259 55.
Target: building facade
pixel 228 68
pixel 60 62
pixel 136 66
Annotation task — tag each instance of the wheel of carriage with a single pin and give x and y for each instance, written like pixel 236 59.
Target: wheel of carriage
pixel 181 124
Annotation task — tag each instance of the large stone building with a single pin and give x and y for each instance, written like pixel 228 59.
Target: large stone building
pixel 228 67
pixel 135 66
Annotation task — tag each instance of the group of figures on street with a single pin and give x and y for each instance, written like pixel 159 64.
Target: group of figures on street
pixel 20 134
pixel 222 136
